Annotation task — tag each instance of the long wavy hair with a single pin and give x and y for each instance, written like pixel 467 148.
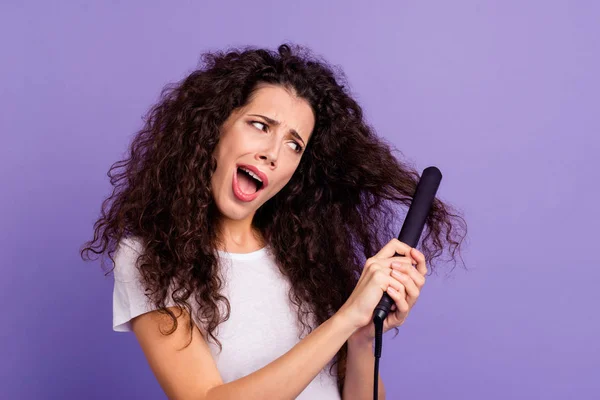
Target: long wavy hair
pixel 337 210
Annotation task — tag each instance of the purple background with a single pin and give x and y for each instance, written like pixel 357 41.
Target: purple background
pixel 502 96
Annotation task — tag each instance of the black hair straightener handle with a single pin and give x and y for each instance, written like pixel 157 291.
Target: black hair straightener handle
pixel 409 234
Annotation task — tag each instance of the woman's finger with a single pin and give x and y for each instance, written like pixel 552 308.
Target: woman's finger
pixel 402 260
pixel 421 263
pixel 412 272
pixel 412 291
pixel 392 247
pixel 399 299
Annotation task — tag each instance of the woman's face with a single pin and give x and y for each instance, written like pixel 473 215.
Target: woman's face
pixel 269 136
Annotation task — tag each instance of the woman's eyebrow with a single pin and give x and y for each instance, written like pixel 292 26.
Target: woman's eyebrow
pixel 276 123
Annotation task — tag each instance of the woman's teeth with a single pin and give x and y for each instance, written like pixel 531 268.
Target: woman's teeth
pixel 252 174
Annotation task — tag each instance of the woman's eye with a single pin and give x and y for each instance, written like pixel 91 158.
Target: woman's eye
pixel 260 123
pixel 264 127
pixel 298 148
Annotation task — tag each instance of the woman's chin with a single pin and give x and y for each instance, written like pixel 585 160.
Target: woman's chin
pixel 235 212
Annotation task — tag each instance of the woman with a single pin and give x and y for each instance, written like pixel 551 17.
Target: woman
pixel 255 205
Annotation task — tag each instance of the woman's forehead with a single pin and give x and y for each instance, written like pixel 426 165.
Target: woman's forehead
pixel 279 104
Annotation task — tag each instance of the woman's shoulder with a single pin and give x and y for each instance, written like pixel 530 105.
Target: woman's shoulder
pixel 126 256
pixel 131 243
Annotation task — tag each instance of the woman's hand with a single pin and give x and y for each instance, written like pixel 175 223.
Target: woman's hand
pixel 385 273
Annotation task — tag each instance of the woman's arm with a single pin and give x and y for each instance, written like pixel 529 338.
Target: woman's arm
pixel 191 372
pixel 360 368
pixel 290 374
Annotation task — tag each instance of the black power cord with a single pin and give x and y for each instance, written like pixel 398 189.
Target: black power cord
pixel 378 339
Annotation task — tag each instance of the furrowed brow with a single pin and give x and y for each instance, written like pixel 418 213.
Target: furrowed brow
pixel 276 123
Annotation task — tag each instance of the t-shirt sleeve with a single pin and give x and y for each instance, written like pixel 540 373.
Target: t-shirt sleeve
pixel 129 299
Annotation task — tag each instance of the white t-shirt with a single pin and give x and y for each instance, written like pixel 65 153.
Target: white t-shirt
pixel 262 325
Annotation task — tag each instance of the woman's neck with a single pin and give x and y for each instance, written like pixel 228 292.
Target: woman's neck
pixel 241 242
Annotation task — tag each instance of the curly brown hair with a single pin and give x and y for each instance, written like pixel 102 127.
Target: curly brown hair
pixel 337 210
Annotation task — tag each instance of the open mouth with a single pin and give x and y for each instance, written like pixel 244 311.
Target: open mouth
pixel 247 182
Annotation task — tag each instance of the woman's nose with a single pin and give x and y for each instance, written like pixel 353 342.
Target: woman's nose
pixel 271 152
